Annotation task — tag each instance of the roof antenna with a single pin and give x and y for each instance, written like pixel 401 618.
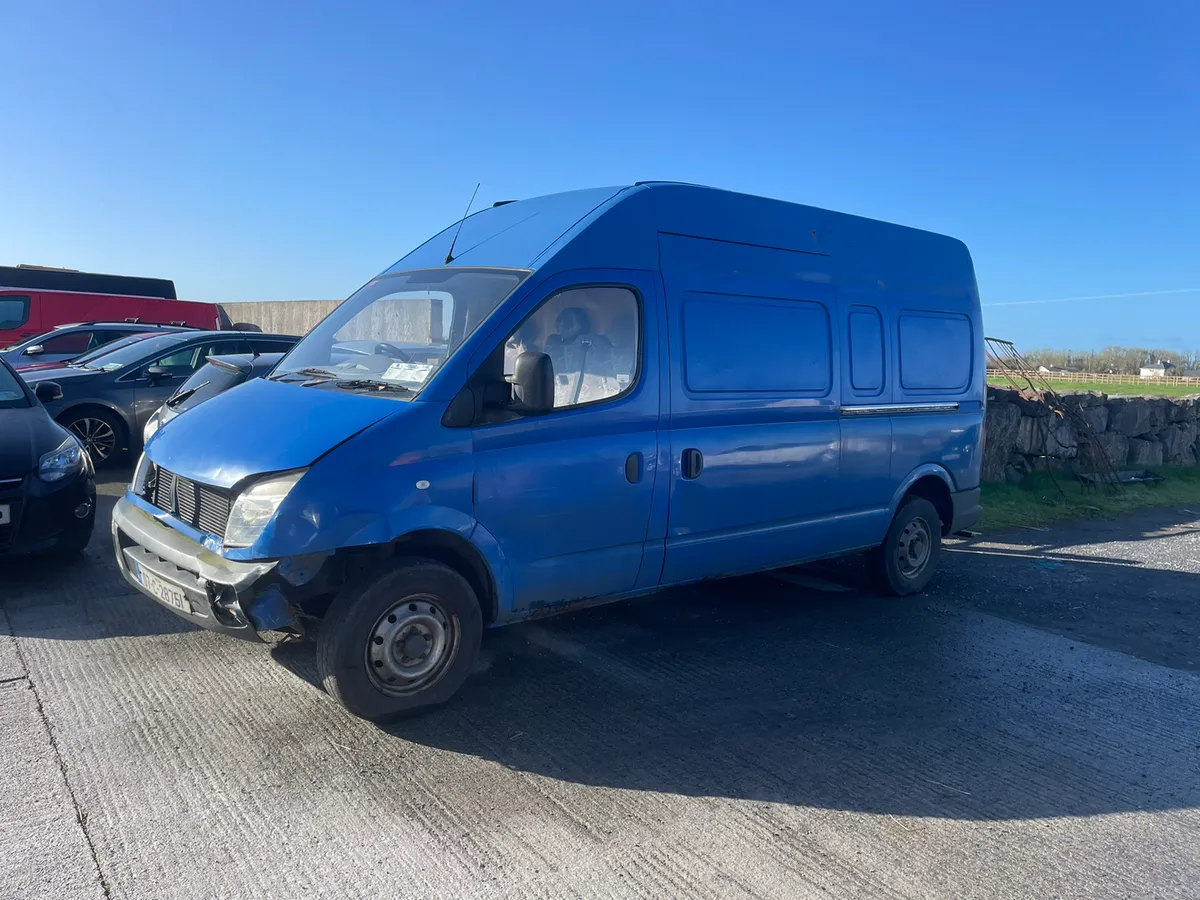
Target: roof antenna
pixel 450 254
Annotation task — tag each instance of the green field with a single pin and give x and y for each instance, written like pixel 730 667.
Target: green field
pixel 1036 503
pixel 1139 390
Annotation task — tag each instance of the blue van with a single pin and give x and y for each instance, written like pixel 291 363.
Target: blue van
pixel 568 400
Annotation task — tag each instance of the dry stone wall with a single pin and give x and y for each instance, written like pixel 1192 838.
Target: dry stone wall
pixel 1135 432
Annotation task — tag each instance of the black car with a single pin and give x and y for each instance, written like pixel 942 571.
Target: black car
pixel 216 376
pixel 107 400
pixel 47 484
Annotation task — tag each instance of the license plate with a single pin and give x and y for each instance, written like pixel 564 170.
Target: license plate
pixel 5 514
pixel 168 593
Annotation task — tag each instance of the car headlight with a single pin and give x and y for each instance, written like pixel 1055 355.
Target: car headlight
pixel 255 506
pixel 66 460
pixel 140 473
pixel 152 425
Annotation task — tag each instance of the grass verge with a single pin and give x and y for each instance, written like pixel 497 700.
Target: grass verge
pixel 1036 503
pixel 1129 390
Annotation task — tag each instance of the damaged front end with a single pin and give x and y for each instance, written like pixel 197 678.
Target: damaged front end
pixel 240 599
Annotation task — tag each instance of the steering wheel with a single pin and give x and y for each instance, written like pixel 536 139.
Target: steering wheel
pixel 383 348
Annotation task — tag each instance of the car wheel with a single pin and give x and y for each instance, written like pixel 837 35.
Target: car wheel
pixel 100 432
pixel 907 559
pixel 404 642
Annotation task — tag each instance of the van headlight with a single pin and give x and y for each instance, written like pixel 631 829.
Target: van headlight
pixel 138 484
pixel 255 506
pixel 64 461
pixel 152 425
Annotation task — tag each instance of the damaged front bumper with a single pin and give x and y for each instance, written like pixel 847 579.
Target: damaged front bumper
pixel 235 598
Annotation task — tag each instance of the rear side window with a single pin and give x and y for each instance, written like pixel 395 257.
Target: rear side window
pixel 936 351
pixel 866 350
pixel 262 345
pixel 14 311
pixel 755 345
pixel 75 342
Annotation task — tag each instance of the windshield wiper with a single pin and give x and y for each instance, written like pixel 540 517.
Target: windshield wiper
pixel 183 395
pixel 309 372
pixel 371 384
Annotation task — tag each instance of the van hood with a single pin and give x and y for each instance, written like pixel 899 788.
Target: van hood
pixel 262 426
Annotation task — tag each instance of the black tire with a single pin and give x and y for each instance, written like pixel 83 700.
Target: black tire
pixel 89 426
pixel 894 564
pixel 422 592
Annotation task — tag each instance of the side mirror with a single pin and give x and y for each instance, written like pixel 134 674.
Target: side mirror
pixel 35 350
pixel 155 373
pixel 533 382
pixel 47 391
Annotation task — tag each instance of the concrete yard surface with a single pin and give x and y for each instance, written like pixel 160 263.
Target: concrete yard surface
pixel 1029 728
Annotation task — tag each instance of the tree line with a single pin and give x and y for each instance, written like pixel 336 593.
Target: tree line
pixel 1117 360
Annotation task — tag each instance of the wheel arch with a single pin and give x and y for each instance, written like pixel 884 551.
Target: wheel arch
pixel 932 483
pixel 83 406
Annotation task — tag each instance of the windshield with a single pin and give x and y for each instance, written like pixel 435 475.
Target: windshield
pixel 136 351
pixel 86 358
pixel 397 330
pixel 11 393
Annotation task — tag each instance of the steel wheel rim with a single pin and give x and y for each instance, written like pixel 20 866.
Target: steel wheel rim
pixel 97 437
pixel 411 646
pixel 915 546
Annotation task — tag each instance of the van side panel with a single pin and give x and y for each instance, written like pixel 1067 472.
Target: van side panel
pixel 754 367
pixel 939 359
pixel 867 485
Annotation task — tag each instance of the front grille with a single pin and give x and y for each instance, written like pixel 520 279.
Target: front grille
pixel 200 505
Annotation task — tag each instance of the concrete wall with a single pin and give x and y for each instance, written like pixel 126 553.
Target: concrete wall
pixel 280 316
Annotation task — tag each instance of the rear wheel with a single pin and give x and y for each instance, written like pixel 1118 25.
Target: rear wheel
pixel 101 433
pixel 907 559
pixel 404 642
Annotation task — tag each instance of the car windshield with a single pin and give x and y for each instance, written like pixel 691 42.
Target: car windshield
pixel 11 393
pixel 136 351
pixel 396 331
pixel 108 348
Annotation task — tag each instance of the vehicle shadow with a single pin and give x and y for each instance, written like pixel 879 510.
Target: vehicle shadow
pixel 757 689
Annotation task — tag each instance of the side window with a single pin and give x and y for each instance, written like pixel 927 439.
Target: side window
pixel 265 346
pixel 107 337
pixel 936 351
pixel 73 343
pixel 593 338
pixel 181 362
pixel 222 348
pixel 14 311
pixel 866 350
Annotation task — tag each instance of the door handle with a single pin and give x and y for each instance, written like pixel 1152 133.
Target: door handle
pixel 633 468
pixel 692 463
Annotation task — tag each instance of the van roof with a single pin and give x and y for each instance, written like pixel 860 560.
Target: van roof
pixel 34 278
pixel 620 227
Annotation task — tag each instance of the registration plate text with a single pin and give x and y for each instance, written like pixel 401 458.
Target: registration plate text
pixel 163 590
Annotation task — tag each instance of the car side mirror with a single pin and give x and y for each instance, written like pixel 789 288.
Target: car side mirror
pixel 156 373
pixel 35 350
pixel 47 391
pixel 533 382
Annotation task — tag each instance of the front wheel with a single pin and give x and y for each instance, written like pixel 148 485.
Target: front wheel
pixel 405 642
pixel 907 559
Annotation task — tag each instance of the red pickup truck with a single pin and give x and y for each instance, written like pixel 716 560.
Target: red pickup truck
pixel 34 299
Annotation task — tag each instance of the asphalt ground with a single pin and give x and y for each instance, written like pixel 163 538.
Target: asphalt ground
pixel 1029 728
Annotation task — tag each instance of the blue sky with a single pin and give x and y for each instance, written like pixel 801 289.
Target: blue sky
pixel 256 151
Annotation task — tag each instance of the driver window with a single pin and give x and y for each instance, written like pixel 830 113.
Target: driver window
pixel 592 338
